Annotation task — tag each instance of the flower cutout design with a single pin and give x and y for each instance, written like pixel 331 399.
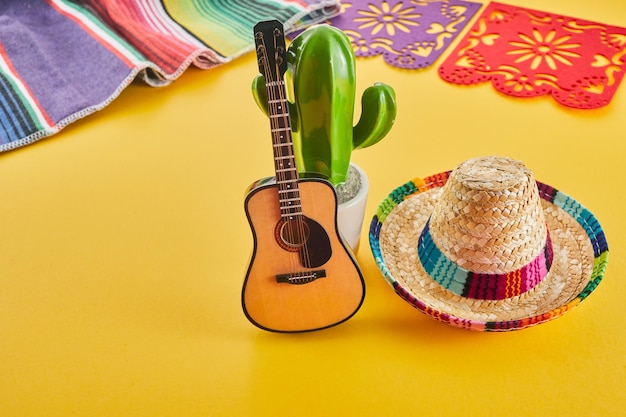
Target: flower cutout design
pixel 389 18
pixel 422 49
pixel 360 45
pixel 544 49
pixel 407 33
pixel 529 53
pixel 618 39
pixel 525 84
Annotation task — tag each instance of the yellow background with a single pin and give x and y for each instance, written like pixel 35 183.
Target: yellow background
pixel 123 248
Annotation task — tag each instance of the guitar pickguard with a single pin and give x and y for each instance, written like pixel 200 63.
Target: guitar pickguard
pixel 317 251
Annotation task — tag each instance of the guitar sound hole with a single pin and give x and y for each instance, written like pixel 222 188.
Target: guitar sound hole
pixel 294 233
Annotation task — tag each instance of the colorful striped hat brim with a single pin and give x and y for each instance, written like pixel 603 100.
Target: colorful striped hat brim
pixel 577 257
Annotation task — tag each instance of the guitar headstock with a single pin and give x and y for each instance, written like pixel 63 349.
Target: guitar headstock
pixel 269 38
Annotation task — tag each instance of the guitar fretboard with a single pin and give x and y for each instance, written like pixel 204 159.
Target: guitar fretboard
pixel 284 158
pixel 270 47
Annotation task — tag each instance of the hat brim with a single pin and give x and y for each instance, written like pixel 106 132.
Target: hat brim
pixel 580 259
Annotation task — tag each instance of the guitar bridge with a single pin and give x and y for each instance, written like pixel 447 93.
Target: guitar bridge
pixel 299 278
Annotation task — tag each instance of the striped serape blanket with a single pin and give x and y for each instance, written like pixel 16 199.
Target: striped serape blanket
pixel 61 60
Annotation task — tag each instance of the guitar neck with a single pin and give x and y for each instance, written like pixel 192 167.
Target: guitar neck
pixel 271 55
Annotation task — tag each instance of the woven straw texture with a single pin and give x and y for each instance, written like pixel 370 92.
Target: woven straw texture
pixel 458 221
pixel 489 219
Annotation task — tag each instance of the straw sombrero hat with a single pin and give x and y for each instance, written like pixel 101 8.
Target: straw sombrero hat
pixel 486 247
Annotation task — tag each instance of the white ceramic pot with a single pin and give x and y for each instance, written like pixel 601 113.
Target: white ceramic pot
pixel 350 214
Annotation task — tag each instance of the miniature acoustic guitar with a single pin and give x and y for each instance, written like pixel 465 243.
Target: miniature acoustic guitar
pixel 301 275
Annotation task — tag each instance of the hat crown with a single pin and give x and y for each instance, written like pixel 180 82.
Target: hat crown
pixel 489 218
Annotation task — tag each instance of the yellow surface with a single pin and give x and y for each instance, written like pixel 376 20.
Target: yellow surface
pixel 124 245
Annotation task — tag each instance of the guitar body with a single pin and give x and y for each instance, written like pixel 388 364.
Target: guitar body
pixel 307 283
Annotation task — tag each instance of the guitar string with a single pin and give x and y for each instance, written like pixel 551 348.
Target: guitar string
pixel 278 96
pixel 302 232
pixel 299 234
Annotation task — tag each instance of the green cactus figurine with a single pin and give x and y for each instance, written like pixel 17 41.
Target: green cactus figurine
pixel 321 78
